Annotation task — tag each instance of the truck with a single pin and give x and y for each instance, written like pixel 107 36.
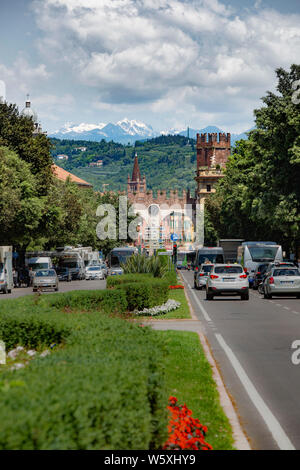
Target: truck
pixel 73 261
pixel 6 274
pixel 230 248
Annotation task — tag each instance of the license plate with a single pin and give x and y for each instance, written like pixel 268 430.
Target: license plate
pixel 228 279
pixel 286 282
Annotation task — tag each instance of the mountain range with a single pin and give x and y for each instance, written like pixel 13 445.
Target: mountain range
pixel 127 131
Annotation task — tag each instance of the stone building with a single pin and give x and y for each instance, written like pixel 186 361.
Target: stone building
pixel 161 214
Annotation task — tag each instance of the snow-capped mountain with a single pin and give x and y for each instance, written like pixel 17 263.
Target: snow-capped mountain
pixel 128 131
pixel 136 128
pixel 123 131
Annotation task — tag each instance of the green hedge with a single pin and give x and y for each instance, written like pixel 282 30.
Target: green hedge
pixel 141 290
pixel 104 300
pixel 113 281
pixel 103 390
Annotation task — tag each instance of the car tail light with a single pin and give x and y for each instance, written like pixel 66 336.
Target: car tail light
pixel 213 276
pixel 243 276
pixel 201 274
pixel 258 272
pixel 271 280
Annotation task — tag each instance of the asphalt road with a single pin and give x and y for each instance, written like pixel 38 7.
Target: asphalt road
pixel 63 287
pixel 252 345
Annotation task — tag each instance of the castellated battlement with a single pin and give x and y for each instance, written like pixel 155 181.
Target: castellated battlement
pixel 206 140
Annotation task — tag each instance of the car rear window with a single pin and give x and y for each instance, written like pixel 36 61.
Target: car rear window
pixel 206 267
pixel 228 270
pixel 46 272
pixel 286 272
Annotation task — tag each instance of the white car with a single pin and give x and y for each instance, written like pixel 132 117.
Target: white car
pixel 94 272
pixel 228 279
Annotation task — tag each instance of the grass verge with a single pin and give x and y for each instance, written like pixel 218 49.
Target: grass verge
pixel 189 378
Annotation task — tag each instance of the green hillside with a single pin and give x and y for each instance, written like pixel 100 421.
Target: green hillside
pixel 169 162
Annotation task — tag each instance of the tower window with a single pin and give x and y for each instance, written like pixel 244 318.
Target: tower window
pixel 208 188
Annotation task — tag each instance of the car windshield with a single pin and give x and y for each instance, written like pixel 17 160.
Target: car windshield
pixel 210 257
pixel 45 273
pixel 70 264
pixel 206 268
pixel 228 270
pixel 94 268
pixel 61 270
pixel 286 272
pixel 263 253
pixel 36 266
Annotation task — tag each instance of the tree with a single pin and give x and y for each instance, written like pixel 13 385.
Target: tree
pixel 259 197
pixel 16 132
pixel 20 205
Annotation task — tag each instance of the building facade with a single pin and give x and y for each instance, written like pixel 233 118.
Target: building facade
pixel 161 215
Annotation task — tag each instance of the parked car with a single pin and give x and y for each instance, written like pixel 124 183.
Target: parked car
pixel 45 279
pixel 94 272
pixel 64 274
pixel 104 269
pixel 202 275
pixel 259 274
pixel 115 271
pixel 227 279
pixel 282 281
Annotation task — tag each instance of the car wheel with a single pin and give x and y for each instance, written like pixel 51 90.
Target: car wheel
pixel 245 297
pixel 267 296
pixel 209 296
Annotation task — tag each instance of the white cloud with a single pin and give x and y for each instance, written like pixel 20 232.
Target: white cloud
pixel 169 56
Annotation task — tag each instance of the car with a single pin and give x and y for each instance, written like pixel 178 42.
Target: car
pixel 115 271
pixel 104 269
pixel 259 275
pixel 282 281
pixel 64 274
pixel 94 272
pixel 202 275
pixel 45 279
pixel 227 279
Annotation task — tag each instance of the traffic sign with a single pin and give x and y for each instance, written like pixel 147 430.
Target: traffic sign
pixel 174 237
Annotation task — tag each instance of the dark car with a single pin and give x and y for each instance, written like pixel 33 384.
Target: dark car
pixel 64 274
pixel 259 274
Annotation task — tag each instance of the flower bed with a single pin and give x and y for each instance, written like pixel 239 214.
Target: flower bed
pixel 178 286
pixel 170 305
pixel 185 432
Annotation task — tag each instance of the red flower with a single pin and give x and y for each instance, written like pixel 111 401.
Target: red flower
pixel 185 432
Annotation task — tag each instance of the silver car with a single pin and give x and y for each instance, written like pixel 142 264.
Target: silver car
pixel 282 281
pixel 228 279
pixel 45 279
pixel 202 275
pixel 94 272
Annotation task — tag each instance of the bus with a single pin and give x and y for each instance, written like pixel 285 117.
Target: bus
pixel 185 259
pixel 120 255
pixel 251 254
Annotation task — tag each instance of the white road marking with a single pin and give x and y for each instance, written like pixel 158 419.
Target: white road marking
pixel 203 311
pixel 286 308
pixel 272 423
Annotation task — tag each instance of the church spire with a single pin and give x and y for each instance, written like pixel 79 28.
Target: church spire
pixel 136 174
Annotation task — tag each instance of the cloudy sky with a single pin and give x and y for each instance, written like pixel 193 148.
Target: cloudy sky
pixel 169 63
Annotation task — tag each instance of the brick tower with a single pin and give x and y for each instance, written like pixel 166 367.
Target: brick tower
pixel 212 156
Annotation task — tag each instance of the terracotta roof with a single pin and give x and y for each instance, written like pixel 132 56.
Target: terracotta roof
pixel 62 175
pixel 136 174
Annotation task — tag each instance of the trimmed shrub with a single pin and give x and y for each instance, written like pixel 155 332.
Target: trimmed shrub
pixel 113 281
pixel 106 301
pixel 144 294
pixel 103 390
